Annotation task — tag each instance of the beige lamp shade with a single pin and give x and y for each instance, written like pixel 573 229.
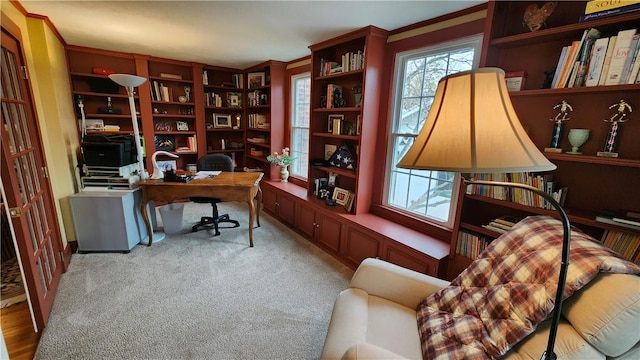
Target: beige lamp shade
pixel 472 127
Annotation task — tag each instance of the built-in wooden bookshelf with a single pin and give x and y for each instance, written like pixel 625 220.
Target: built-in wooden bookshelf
pixel 593 183
pixel 265 115
pixel 345 86
pixel 224 111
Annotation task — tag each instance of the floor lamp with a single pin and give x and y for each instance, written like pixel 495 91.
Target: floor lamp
pixel 472 127
pixel 130 82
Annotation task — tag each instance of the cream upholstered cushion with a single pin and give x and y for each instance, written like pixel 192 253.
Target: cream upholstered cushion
pixel 360 318
pixel 569 344
pixel 606 312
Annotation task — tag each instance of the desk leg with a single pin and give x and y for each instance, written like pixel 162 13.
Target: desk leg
pixel 252 212
pixel 147 222
pixel 259 205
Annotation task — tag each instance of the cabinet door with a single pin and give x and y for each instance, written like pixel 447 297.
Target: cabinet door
pixel 409 259
pixel 329 231
pixel 269 199
pixel 286 209
pixel 360 245
pixel 306 219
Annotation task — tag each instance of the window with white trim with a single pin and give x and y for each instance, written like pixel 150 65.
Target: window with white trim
pixel 300 114
pixel 430 195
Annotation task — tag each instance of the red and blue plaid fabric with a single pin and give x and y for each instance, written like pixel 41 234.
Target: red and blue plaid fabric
pixel 503 295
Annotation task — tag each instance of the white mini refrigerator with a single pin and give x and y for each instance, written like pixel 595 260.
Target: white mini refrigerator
pixel 109 220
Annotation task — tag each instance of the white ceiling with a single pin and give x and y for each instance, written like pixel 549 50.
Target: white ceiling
pixel 236 34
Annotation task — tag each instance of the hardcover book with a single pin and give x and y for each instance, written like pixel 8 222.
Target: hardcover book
pixel 598 53
pixel 596 6
pixel 619 56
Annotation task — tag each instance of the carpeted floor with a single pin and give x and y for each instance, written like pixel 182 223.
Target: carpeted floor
pixel 193 296
pixel 12 291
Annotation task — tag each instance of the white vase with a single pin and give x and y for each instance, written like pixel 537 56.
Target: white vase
pixel 284 174
pixel 577 137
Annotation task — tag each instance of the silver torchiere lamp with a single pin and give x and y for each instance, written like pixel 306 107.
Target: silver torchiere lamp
pixel 472 127
pixel 129 82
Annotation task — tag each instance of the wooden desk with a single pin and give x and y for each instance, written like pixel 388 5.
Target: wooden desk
pixel 228 186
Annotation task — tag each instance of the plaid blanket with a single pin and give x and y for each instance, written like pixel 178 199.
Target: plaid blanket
pixel 503 295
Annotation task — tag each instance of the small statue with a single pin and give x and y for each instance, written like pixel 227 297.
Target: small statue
pixel 187 92
pixel 562 116
pixel 621 116
pixel 534 16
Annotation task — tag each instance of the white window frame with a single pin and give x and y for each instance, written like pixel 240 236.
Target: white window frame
pixel 397 92
pixel 300 165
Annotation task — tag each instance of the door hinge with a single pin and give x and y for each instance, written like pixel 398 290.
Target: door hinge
pixel 45 172
pixel 61 256
pixel 15 212
pixel 25 73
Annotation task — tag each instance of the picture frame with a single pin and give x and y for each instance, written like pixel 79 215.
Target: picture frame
pixel 256 79
pixel 221 120
pixel 182 126
pixel 234 100
pixel 340 196
pixel 515 80
pixel 334 122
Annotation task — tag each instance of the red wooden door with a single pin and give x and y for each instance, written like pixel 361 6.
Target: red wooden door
pixel 26 185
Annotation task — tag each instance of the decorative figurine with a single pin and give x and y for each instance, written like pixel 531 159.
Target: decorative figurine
pixel 238 117
pixel 187 92
pixel 621 116
pixel 535 16
pixel 560 118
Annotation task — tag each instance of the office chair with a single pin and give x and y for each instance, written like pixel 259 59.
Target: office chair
pixel 213 162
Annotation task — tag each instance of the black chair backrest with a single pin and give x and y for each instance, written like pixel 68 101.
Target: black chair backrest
pixel 215 162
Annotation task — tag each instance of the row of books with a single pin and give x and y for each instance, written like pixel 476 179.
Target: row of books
pixel 350 61
pixel 258 121
pixel 160 92
pixel 521 196
pixel 192 145
pixel 625 244
pixel 212 99
pixel 594 60
pixel 471 245
pixel 599 9
pixel 256 98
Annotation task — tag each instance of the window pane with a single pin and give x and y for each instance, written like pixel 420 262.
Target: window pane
pixel 423 193
pixel 300 115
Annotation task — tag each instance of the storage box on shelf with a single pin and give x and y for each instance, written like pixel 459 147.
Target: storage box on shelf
pixel 593 183
pixel 265 115
pixel 224 111
pixel 105 103
pixel 345 91
pixel 173 109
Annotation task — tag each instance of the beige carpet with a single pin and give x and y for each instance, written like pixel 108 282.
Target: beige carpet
pixel 193 296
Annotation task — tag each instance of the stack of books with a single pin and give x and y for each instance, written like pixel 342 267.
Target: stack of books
pixel 628 219
pixel 502 224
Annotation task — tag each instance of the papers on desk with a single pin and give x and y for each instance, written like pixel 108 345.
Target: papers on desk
pixel 206 174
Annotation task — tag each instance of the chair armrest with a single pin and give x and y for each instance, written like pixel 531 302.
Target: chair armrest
pixel 369 352
pixel 394 283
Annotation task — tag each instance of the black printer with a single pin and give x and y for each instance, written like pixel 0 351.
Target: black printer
pixel 113 150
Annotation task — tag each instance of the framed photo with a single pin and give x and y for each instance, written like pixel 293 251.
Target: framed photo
pixel 325 192
pixel 234 100
pixel 340 196
pixel 165 142
pixel 182 126
pixel 221 120
pixel 256 79
pixel 334 124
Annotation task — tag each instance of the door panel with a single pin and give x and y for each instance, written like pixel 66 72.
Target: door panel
pixel 26 186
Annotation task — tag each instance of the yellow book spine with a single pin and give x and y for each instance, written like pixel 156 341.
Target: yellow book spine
pixel 595 6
